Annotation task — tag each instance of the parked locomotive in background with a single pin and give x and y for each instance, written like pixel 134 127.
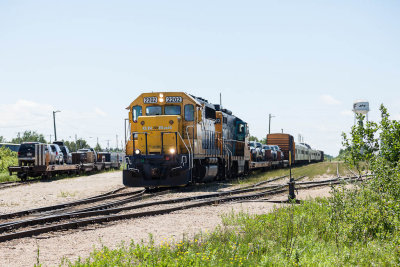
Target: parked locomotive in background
pixel 176 139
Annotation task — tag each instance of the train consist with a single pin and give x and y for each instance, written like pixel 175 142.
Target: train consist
pixel 176 139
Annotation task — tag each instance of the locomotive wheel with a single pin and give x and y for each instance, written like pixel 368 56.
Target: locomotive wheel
pixel 23 176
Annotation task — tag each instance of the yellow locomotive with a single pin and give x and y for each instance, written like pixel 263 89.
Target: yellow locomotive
pixel 177 139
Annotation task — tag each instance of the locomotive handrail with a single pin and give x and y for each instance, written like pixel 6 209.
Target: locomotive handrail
pixel 229 166
pixel 176 143
pixel 162 141
pixel 190 158
pixel 145 133
pixel 190 145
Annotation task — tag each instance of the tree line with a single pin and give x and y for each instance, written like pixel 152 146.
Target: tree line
pixel 33 136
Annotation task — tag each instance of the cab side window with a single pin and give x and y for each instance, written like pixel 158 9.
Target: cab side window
pixel 189 112
pixel 136 112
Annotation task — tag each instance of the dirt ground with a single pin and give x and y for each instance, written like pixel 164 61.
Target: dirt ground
pixel 79 243
pixel 34 195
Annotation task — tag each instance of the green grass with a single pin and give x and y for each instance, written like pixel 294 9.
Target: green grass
pixel 5 177
pixel 290 236
pixel 311 170
pixel 66 194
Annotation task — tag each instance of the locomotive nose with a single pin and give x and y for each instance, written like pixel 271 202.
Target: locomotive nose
pixel 160 134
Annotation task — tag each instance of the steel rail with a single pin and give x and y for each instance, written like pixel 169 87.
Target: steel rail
pixel 352 172
pixel 96 212
pixel 261 183
pixel 84 222
pixel 108 195
pixel 6 185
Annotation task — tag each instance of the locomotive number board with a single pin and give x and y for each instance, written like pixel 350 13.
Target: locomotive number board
pixel 150 100
pixel 173 99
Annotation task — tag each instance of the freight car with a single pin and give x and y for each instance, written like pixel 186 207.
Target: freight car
pixel 41 165
pixel 301 153
pixel 176 139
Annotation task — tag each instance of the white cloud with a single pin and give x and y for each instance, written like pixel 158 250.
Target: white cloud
pixel 24 113
pixel 329 100
pixel 100 112
pixel 347 113
pixel 396 116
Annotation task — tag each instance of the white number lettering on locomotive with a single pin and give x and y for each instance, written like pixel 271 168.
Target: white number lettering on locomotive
pixel 173 99
pixel 149 100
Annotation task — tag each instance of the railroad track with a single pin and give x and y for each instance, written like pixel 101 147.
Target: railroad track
pixel 132 196
pixel 59 207
pixel 351 171
pixel 80 218
pixel 5 185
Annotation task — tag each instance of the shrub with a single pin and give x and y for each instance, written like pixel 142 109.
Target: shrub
pixel 7 158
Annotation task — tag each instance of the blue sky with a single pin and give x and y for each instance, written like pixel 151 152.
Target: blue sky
pixel 303 61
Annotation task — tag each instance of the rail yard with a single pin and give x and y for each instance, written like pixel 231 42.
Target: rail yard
pixel 182 154
pixel 184 133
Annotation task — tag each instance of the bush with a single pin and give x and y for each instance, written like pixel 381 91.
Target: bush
pixel 7 158
pixel 294 235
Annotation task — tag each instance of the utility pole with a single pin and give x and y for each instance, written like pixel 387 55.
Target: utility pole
pixel 108 145
pixel 76 143
pixel 117 141
pixel 54 121
pixel 269 124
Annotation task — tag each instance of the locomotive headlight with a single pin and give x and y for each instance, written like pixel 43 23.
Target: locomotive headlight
pixel 172 150
pixel 137 151
pixel 161 95
pixel 161 99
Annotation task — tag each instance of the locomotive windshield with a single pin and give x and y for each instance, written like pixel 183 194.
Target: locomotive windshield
pixel 172 110
pixel 153 110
